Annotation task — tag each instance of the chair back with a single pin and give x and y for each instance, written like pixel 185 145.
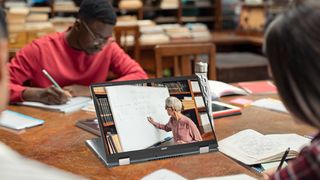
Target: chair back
pixel 123 34
pixel 183 55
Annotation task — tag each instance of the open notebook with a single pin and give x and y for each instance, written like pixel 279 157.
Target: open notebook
pixel 250 147
pixel 127 136
pixel 75 104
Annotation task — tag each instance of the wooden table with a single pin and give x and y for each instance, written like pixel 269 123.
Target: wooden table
pixel 59 143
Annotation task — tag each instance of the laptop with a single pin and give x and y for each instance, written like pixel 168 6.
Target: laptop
pixel 124 110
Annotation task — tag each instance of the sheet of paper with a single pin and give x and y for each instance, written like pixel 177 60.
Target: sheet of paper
pixel 18 121
pixel 163 174
pixel 271 104
pixel 14 166
pixel 74 104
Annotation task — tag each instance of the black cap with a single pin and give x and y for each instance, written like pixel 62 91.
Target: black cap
pixel 100 10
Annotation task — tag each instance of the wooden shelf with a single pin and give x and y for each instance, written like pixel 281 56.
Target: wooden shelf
pixel 108 124
pixel 199 7
pixel 197 19
pixel 210 14
pixel 167 19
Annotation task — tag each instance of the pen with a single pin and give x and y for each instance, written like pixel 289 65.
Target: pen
pixel 51 79
pixel 283 158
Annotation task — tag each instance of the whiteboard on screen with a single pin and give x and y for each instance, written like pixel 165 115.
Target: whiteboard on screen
pixel 130 106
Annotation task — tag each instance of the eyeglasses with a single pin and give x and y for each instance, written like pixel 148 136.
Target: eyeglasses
pixel 96 38
pixel 166 107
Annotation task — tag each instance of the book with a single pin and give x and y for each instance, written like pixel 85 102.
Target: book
pixel 250 147
pixel 271 104
pixel 241 102
pixel 17 121
pixel 219 89
pixel 258 87
pixel 260 168
pixel 75 104
pixel 90 125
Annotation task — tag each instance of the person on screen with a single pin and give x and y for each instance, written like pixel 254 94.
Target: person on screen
pixel 183 128
pixel 83 54
pixel 292 45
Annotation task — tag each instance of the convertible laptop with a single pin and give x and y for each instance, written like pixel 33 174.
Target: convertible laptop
pixel 124 109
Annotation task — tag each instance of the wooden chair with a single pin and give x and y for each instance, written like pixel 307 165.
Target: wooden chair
pixel 182 55
pixel 122 32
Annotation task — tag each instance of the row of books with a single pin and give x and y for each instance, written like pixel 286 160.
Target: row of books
pixel 114 145
pixel 105 111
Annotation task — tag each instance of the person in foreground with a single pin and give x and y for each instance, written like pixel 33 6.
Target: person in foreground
pixel 293 49
pixel 183 128
pixel 82 55
pixel 13 165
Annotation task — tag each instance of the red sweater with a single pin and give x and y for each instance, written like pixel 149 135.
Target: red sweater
pixel 67 66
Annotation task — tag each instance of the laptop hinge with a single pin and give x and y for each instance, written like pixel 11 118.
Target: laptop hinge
pixel 204 149
pixel 124 161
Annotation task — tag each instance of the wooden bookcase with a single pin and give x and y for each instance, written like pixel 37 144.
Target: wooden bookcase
pixel 186 11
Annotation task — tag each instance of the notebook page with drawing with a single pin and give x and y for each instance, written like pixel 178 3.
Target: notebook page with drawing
pixel 123 110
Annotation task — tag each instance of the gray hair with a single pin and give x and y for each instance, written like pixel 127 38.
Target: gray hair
pixel 174 103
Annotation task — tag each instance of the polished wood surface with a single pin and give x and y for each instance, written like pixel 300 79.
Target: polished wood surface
pixel 61 144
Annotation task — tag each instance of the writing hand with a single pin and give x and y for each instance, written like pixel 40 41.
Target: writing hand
pixel 77 90
pixel 50 95
pixel 150 119
pixel 267 174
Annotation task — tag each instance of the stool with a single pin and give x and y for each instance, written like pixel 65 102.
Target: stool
pixel 241 66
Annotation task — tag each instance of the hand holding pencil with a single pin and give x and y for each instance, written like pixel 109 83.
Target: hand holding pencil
pixel 51 95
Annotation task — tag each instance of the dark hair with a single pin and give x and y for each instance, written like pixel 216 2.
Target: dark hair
pixel 3 24
pixel 293 49
pixel 100 10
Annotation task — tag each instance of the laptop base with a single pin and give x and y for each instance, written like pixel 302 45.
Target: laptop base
pixel 96 145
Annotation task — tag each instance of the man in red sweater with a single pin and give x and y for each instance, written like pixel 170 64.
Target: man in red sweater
pixel 82 55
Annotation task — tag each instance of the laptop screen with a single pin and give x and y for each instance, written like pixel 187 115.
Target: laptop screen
pixel 151 119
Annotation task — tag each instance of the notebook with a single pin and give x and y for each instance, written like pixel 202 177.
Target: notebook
pixel 258 87
pixel 123 108
pixel 250 147
pixel 18 121
pixel 90 125
pixel 75 104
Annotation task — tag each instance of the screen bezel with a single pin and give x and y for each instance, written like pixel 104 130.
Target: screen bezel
pixel 156 152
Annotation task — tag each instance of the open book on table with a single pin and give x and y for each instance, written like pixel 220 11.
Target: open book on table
pixel 251 147
pixel 219 89
pixel 75 104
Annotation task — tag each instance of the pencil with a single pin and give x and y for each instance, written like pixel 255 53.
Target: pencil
pixel 283 158
pixel 51 79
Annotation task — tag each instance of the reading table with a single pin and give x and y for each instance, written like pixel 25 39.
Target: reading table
pixel 61 144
